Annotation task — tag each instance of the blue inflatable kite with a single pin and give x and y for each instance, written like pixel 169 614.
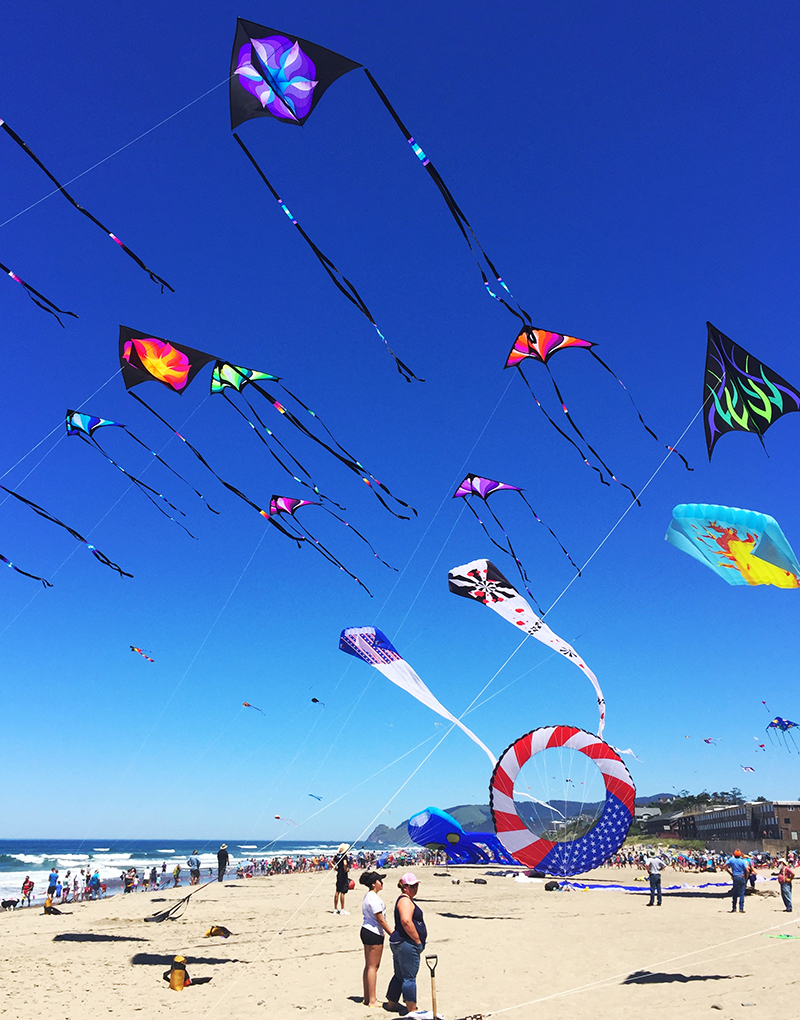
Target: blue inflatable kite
pixel 436 830
pixel 742 546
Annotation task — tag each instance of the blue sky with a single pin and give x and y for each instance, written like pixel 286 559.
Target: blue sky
pixel 632 172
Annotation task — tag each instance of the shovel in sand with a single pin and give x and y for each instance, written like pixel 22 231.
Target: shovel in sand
pixel 431 961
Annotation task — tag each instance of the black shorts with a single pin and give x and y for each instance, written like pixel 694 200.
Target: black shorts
pixel 369 938
pixel 342 884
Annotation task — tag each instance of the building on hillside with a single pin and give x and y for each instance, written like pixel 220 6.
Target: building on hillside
pixel 644 812
pixel 772 826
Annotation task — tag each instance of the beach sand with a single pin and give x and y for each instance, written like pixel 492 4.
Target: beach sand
pixel 595 953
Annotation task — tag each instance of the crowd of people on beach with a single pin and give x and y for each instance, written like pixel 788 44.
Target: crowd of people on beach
pixel 86 884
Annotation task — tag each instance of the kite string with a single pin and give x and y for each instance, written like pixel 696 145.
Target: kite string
pixel 627 510
pixel 111 155
pixel 402 572
pixel 196 654
pixel 50 433
pixel 625 974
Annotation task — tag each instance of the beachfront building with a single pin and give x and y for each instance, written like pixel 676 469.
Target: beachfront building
pixel 772 825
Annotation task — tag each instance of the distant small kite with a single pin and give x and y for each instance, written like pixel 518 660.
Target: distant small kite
pixel 246 704
pixel 141 652
pixel 280 818
pixel 315 796
pixel 747 768
pixel 711 740
pixel 316 701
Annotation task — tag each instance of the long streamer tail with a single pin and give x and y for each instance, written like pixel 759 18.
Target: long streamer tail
pixel 344 457
pixel 310 484
pixel 19 570
pixel 555 536
pixel 339 279
pixel 589 447
pixel 174 472
pixel 456 212
pixel 147 490
pixel 98 555
pixel 638 412
pixel 203 461
pixel 558 429
pixel 522 571
pixel 153 276
pixel 362 537
pixel 325 553
pixel 39 299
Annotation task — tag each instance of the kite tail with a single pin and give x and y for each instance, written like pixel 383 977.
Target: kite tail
pixel 522 571
pixel 589 447
pixel 456 212
pixel 362 537
pixel 153 276
pixel 339 279
pixel 98 555
pixel 201 458
pixel 345 457
pixel 161 461
pixel 310 484
pixel 146 489
pixel 328 555
pixel 638 412
pixel 555 536
pixel 558 429
pixel 44 303
pixel 19 570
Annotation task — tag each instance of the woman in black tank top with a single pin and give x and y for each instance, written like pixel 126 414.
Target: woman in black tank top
pixel 406 942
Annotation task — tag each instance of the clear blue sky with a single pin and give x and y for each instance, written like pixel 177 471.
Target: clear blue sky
pixel 632 171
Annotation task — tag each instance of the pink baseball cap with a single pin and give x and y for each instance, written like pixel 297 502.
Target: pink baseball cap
pixel 409 878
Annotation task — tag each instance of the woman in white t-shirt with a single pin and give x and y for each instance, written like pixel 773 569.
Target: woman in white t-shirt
pixel 373 926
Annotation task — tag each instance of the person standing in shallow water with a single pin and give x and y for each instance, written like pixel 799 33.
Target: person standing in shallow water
pixel 222 861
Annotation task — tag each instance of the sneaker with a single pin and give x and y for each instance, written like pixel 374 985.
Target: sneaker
pixel 337 911
pixel 345 912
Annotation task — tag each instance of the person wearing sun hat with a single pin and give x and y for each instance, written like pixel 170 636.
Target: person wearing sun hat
pixel 222 861
pixel 342 863
pixel 407 943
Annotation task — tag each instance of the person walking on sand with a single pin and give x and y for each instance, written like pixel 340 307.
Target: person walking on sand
pixel 785 876
pixel 222 861
pixel 407 943
pixel 654 866
pixel 342 878
pixel 373 926
pixel 738 868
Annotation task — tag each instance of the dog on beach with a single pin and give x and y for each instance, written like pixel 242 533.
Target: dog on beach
pixel 9 904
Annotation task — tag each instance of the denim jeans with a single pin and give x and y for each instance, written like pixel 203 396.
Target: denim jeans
pixel 739 886
pixel 655 888
pixel 786 893
pixel 406 965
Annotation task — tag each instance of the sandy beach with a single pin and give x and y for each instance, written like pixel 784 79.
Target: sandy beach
pixel 505 948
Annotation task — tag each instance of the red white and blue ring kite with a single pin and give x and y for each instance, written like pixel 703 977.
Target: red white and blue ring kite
pixel 586 852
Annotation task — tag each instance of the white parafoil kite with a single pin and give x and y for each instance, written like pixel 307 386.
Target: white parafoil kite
pixel 482 581
pixel 373 647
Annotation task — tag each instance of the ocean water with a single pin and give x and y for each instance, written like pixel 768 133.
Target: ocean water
pixel 35 857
